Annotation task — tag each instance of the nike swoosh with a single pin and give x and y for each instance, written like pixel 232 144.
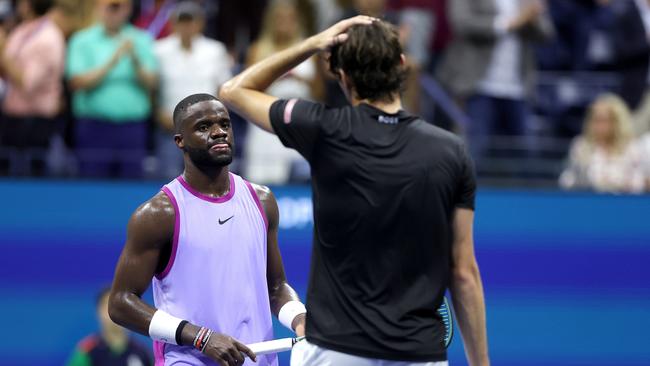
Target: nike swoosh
pixel 226 220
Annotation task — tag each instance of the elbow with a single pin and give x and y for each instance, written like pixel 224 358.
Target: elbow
pixel 466 275
pixel 227 91
pixel 116 308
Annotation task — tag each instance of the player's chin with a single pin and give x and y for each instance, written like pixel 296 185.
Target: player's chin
pixel 221 159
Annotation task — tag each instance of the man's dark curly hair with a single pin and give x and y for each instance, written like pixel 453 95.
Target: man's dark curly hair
pixel 371 59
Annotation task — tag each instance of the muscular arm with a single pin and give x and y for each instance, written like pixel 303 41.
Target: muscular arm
pixel 467 289
pixel 279 290
pixel 150 232
pixel 245 92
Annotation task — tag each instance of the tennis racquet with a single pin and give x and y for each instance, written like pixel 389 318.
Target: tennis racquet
pixel 448 320
pixel 274 346
pixel 286 344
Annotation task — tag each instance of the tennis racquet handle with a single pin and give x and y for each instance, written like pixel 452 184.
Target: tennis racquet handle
pixel 274 346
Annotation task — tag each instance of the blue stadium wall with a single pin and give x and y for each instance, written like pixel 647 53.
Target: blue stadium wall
pixel 567 275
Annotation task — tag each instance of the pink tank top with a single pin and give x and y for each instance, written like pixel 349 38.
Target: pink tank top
pixel 216 275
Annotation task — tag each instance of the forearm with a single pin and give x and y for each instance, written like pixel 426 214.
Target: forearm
pixel 92 78
pixel 244 94
pixel 469 306
pixel 129 311
pixel 279 296
pixel 147 79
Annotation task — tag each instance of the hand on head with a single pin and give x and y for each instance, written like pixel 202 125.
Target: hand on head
pixel 336 34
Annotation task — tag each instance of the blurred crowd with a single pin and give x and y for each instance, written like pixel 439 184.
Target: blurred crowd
pixel 88 87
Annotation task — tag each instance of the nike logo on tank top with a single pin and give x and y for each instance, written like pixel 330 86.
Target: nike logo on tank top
pixel 216 274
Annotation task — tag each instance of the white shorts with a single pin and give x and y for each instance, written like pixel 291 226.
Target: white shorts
pixel 308 354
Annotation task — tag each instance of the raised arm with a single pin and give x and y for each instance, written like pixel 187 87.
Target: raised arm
pixel 149 236
pixel 245 92
pixel 280 292
pixel 467 290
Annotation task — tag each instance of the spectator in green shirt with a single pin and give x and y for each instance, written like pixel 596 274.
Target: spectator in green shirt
pixel 112 70
pixel 111 346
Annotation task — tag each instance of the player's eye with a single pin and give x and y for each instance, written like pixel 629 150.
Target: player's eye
pixel 203 128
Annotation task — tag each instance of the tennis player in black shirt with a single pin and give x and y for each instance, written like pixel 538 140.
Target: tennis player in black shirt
pixel 393 206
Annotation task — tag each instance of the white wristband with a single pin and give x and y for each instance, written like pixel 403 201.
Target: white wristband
pixel 163 327
pixel 289 311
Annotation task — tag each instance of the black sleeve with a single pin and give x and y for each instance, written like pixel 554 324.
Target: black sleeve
pixel 297 123
pixel 466 192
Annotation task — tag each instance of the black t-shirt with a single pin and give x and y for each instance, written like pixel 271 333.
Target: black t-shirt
pixel 385 187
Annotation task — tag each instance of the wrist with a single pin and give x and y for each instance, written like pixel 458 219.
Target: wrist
pixel 290 314
pixel 165 327
pixel 189 333
pixel 311 45
pixel 298 320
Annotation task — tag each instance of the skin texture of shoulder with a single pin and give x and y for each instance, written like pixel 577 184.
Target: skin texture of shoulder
pixel 269 203
pixel 154 219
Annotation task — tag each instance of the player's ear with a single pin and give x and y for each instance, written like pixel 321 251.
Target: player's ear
pixel 178 139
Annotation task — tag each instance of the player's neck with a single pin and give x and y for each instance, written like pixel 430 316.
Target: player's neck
pixel 210 181
pixel 390 107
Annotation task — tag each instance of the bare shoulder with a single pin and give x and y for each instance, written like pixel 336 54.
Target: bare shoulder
pixel 267 198
pixel 154 219
pixel 264 193
pixel 159 207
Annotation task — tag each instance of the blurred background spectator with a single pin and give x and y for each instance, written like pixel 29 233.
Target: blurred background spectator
pixel 490 65
pixel 237 24
pixel 605 157
pixel 111 69
pixel 516 78
pixel 190 63
pixel 32 64
pixel 266 159
pixel 111 345
pixel 632 40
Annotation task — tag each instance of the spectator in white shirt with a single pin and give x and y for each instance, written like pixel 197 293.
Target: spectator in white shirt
pixel 604 157
pixel 189 63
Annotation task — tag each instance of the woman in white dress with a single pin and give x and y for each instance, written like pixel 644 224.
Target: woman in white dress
pixel 604 157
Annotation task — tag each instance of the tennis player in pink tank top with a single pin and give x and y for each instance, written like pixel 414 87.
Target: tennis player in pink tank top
pixel 208 244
